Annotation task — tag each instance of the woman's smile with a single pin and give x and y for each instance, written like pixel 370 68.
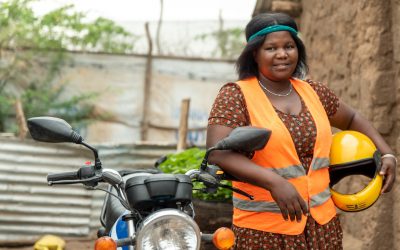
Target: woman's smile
pixel 281 66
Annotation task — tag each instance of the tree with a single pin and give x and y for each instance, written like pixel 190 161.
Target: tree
pixel 158 35
pixel 229 41
pixel 33 50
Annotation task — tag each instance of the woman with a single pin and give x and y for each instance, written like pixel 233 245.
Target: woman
pixel 289 178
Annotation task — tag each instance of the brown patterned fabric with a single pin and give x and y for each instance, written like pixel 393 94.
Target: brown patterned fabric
pixel 314 237
pixel 229 109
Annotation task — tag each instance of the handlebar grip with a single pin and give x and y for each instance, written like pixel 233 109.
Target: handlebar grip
pixel 62 176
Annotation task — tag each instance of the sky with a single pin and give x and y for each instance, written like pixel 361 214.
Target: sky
pixel 149 10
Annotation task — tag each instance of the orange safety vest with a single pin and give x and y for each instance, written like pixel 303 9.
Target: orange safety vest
pixel 280 156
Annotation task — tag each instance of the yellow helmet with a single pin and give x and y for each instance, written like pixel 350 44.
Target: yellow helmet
pixel 353 153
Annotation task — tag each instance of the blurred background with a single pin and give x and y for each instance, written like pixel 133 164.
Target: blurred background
pixel 138 78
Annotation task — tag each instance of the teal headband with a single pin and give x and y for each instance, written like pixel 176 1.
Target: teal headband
pixel 271 29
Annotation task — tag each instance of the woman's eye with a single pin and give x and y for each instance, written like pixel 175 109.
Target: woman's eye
pixel 270 48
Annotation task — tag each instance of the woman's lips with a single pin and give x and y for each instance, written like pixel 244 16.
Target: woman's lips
pixel 282 66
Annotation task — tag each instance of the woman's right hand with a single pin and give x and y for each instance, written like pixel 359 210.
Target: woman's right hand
pixel 291 204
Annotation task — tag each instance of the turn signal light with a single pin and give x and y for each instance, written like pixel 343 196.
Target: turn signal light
pixel 105 243
pixel 223 238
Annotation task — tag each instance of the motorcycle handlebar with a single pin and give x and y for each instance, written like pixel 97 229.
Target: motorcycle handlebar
pixel 207 237
pixel 62 176
pixel 130 241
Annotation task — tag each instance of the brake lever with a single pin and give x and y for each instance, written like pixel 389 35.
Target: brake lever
pixel 51 183
pixel 211 181
pixel 236 190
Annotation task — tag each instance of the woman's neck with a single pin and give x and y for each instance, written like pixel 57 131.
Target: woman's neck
pixel 276 86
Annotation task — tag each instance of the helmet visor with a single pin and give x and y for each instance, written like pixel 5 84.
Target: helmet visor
pixel 367 167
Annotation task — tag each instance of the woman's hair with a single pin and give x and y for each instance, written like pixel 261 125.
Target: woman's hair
pixel 246 66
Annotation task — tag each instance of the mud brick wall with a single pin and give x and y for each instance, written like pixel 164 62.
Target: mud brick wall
pixel 354 48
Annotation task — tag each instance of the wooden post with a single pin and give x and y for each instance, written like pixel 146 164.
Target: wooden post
pixel 183 125
pixel 21 121
pixel 147 87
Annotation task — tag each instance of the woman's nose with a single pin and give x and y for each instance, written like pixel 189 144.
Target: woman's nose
pixel 281 53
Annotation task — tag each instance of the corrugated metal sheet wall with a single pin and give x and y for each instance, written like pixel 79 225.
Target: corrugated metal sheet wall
pixel 29 208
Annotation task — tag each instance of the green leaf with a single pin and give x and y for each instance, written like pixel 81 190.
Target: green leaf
pixel 180 163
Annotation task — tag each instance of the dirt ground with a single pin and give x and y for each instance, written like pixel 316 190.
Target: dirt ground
pixel 71 244
pixel 349 243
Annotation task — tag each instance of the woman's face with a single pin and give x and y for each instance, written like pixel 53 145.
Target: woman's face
pixel 277 57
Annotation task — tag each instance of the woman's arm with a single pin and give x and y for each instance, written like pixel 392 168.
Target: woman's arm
pixel 238 165
pixel 347 118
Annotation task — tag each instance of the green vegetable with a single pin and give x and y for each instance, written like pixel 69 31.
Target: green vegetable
pixel 180 163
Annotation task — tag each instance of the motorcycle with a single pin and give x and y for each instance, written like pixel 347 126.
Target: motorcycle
pixel 145 208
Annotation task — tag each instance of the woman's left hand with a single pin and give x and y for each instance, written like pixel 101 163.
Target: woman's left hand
pixel 388 171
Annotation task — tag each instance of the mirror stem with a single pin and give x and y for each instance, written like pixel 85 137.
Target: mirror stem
pixel 203 165
pixel 97 162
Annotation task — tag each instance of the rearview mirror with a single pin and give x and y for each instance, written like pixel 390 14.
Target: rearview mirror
pixel 245 139
pixel 52 129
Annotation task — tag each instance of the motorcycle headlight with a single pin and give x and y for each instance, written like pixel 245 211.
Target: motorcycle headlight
pixel 168 229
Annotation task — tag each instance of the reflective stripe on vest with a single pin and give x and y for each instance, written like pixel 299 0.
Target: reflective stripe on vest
pixel 296 171
pixel 272 207
pixel 320 198
pixel 319 163
pixel 290 172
